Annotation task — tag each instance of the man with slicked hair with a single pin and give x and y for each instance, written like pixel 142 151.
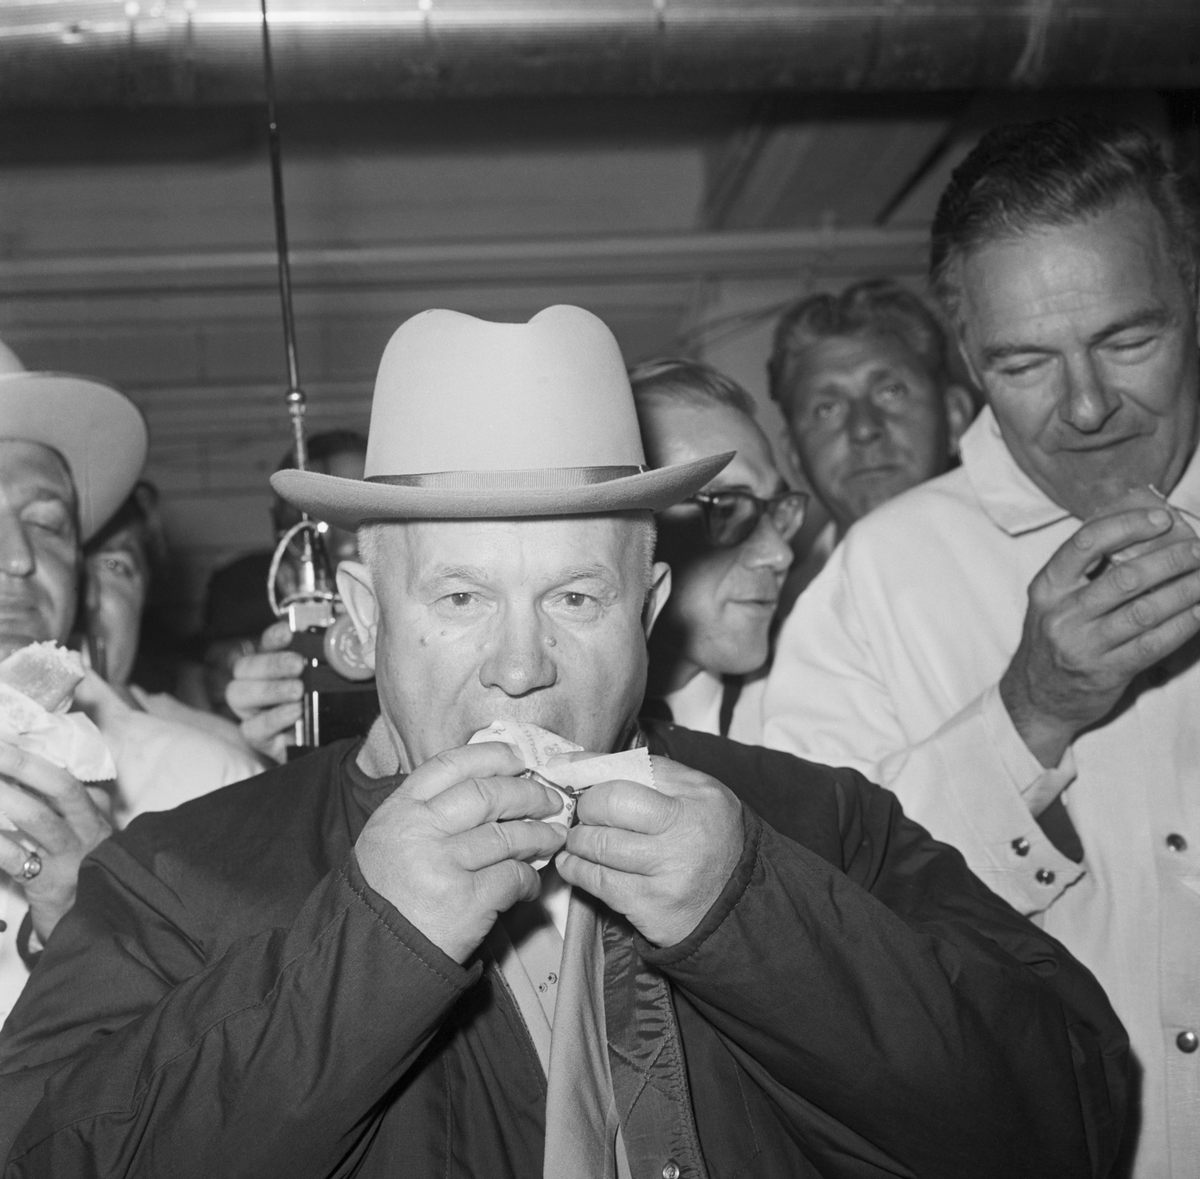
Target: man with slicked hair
pixel 1012 648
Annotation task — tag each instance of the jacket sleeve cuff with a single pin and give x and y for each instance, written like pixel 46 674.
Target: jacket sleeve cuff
pixel 726 902
pixel 1037 785
pixel 430 955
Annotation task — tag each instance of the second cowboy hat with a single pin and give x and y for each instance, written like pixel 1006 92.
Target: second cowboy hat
pixel 474 419
pixel 99 432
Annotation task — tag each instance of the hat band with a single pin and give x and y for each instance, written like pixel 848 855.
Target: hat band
pixel 527 480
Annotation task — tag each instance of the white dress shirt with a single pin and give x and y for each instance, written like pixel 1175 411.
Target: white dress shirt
pixel 890 662
pixel 697 705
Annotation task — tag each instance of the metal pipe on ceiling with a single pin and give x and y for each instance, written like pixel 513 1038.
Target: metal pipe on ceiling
pixel 140 53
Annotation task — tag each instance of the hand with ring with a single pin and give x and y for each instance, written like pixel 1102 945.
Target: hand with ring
pixel 54 820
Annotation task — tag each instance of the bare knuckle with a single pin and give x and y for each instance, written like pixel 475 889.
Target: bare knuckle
pixel 1146 648
pixel 1181 558
pixel 1057 633
pixel 443 760
pixel 1083 540
pixel 1039 595
pixel 494 888
pixel 1126 578
pixel 501 840
pixel 481 791
pixel 15 761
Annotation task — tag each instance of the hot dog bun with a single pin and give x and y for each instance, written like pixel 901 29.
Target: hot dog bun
pixel 45 672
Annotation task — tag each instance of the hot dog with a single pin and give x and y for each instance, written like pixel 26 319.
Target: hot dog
pixel 45 672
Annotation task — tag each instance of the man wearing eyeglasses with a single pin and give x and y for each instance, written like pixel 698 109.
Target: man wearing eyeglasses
pixel 727 547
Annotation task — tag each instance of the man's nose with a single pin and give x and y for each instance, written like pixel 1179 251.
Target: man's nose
pixel 16 553
pixel 520 656
pixel 864 422
pixel 765 548
pixel 1086 401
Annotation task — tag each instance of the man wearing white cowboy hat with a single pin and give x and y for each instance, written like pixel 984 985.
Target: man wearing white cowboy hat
pixel 70 450
pixel 352 966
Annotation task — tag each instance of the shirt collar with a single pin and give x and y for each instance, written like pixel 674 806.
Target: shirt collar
pixel 1015 503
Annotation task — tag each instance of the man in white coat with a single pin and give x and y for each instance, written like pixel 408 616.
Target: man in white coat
pixel 1012 647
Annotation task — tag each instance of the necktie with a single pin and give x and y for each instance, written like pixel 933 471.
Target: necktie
pixel 582 1127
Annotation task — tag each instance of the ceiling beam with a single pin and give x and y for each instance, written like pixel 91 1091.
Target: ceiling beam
pixel 740 253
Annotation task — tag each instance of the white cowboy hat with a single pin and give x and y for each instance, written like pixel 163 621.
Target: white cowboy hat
pixel 99 432
pixel 476 419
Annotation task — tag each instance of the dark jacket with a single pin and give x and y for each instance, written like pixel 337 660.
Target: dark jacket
pixel 230 998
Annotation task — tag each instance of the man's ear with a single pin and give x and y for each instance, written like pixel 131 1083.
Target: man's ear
pixel 960 410
pixel 358 596
pixel 656 595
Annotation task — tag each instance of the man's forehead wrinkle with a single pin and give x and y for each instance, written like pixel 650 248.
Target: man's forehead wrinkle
pixel 835 376
pixel 593 572
pixel 1153 316
pixel 39 476
pixel 482 575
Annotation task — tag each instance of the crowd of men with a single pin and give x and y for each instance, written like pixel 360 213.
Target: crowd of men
pixel 588 897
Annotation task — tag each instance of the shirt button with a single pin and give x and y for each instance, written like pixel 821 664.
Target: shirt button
pixel 1044 876
pixel 671 1170
pixel 1176 842
pixel 1186 1042
pixel 1021 845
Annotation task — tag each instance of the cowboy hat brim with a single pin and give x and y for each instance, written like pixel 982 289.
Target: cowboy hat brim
pixel 491 495
pixel 99 432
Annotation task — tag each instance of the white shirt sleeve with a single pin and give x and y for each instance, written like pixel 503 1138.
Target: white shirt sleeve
pixel 854 683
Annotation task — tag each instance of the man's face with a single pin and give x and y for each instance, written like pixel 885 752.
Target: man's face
pixel 1084 338
pixel 866 419
pixel 118 579
pixel 722 601
pixel 475 621
pixel 39 545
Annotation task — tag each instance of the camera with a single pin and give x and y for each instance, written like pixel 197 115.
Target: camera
pixel 339 698
pixel 339 690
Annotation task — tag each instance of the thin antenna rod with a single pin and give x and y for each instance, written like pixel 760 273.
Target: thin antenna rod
pixel 295 395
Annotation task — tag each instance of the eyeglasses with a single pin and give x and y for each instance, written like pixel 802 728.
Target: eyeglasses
pixel 730 517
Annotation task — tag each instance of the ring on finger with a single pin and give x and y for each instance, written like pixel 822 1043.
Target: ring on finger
pixel 31 867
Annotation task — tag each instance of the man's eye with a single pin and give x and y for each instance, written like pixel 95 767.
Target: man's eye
pixel 1016 369
pixel 1130 347
pixel 118 563
pixel 461 599
pixel 55 522
pixel 575 605
pixel 889 394
pixel 827 411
